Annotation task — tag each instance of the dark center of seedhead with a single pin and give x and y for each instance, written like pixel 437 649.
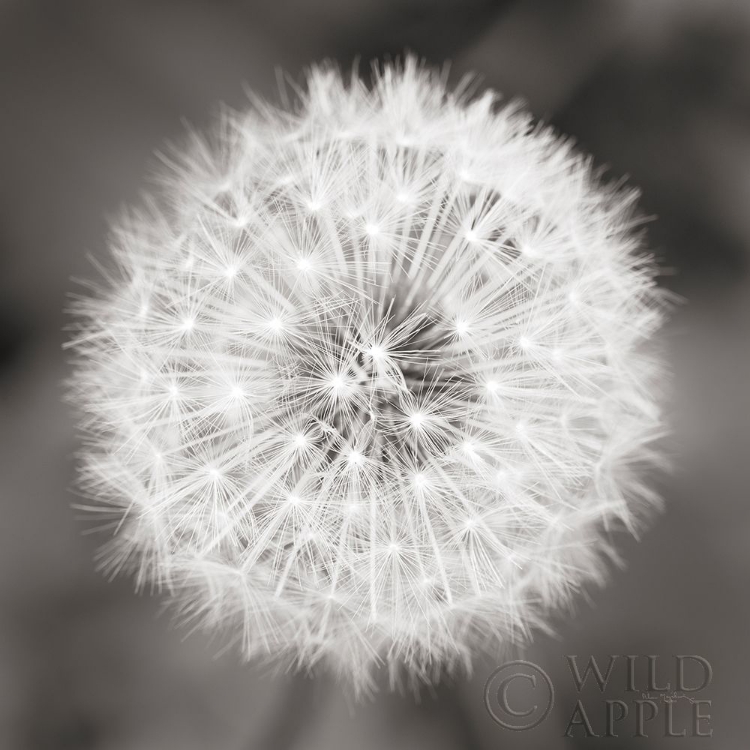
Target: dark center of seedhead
pixel 397 384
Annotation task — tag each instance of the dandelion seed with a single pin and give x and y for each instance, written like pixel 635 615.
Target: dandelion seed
pixel 469 448
pixel 462 327
pixel 376 352
pixel 420 480
pixel 417 420
pixel 355 458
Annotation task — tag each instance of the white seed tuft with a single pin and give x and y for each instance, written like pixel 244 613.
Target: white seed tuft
pixel 369 380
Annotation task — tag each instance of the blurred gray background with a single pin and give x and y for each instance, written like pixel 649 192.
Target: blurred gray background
pixel 657 90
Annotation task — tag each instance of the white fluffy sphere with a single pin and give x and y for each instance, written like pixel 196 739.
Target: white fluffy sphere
pixel 367 382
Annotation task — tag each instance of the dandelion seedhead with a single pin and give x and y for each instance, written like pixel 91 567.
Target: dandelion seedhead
pixel 367 384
